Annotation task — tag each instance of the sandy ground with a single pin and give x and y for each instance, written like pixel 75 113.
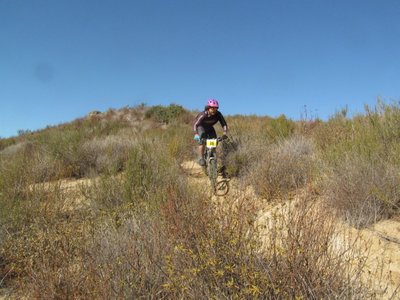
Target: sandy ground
pixel 384 241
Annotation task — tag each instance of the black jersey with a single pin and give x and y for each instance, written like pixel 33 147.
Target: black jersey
pixel 206 121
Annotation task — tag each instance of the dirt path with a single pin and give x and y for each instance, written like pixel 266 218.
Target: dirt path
pixel 382 239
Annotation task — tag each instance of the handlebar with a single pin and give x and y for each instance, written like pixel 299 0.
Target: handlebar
pixel 219 139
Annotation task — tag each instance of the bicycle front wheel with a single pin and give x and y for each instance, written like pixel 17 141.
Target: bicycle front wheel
pixel 212 173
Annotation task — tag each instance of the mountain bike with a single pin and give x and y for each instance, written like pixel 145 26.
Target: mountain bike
pixel 210 157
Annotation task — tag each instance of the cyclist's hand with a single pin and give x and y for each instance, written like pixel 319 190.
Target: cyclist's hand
pixel 197 137
pixel 224 137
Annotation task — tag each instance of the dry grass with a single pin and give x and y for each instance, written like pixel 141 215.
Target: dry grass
pixel 282 168
pixel 107 154
pixel 364 192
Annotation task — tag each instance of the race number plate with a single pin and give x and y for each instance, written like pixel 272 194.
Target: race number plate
pixel 211 143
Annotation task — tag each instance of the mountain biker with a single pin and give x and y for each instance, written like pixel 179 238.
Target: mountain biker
pixel 203 126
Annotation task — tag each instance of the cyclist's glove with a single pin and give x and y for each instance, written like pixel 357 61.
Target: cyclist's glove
pixel 197 137
pixel 224 137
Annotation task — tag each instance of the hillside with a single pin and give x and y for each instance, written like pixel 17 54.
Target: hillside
pixel 115 198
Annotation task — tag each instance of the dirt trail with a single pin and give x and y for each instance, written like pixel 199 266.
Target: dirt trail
pixel 382 239
pixel 72 190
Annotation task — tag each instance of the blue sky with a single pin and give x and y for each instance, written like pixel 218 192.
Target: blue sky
pixel 60 59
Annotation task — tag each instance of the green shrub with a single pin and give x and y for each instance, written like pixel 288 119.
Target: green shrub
pixel 375 133
pixel 164 114
pixel 279 128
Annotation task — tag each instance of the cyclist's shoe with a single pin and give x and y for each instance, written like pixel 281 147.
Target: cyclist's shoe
pixel 202 162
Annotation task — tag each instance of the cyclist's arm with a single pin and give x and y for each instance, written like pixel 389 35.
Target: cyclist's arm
pixel 198 121
pixel 225 128
pixel 223 123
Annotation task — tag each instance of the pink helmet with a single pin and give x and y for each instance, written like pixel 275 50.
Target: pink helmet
pixel 212 103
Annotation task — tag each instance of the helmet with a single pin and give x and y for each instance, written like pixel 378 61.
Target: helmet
pixel 212 103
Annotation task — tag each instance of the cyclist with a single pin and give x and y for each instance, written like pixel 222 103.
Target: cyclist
pixel 204 126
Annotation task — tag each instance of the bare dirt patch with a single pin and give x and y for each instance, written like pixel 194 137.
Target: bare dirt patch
pixel 71 192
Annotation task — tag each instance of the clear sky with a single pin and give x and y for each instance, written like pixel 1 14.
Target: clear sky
pixel 60 59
